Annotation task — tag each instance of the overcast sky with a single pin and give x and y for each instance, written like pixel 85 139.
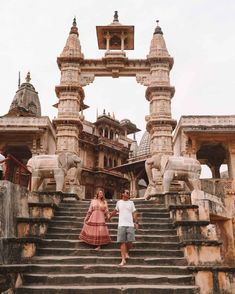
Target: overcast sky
pixel 199 35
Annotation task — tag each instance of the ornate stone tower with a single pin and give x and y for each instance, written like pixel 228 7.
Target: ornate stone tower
pixel 70 93
pixel 159 93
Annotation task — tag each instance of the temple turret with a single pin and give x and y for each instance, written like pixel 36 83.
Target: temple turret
pixel 72 47
pixel 159 93
pixel 70 94
pixel 26 101
pixel 158 45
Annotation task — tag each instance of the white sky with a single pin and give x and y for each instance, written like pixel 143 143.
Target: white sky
pixel 199 35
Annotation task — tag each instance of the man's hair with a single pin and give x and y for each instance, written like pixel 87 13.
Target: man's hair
pixel 126 191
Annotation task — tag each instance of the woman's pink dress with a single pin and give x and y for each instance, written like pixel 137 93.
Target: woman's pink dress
pixel 95 230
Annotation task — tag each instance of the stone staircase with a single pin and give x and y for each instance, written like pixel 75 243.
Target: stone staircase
pixel 63 264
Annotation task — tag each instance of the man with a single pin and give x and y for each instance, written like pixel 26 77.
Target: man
pixel 127 223
pixel 2 157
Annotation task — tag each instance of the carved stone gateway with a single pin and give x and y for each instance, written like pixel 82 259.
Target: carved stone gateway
pixel 152 72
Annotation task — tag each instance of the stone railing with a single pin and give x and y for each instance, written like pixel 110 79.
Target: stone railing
pixel 217 187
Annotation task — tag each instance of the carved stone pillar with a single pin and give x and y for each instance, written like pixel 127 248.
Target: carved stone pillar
pixel 70 93
pixel 159 93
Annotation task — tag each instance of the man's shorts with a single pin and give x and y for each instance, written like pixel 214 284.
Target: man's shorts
pixel 125 234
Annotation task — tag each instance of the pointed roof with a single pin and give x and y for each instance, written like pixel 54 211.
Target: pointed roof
pixel 26 101
pixel 72 47
pixel 158 45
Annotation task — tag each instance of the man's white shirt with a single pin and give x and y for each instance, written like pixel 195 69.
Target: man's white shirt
pixel 125 209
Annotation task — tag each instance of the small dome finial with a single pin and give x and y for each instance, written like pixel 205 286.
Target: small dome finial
pixel 115 18
pixel 158 30
pixel 74 29
pixel 28 78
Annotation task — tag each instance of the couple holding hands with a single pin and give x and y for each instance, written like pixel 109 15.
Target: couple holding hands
pixel 95 230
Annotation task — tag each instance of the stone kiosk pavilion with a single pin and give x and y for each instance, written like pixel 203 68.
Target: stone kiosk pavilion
pixel 186 242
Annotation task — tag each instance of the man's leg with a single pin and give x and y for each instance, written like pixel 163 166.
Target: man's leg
pixel 129 245
pixel 123 249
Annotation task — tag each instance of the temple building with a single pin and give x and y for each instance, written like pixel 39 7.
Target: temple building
pixel 186 241
pixel 104 144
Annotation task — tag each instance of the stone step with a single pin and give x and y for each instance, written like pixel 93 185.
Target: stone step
pixel 76 244
pixel 144 238
pixel 141 231
pixel 79 224
pixel 108 252
pixel 113 268
pixel 55 259
pixel 107 289
pixel 78 213
pixel 139 210
pixel 111 204
pixel 114 220
pixel 104 278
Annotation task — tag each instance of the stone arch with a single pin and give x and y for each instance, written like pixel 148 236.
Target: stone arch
pixel 20 152
pixel 213 154
pixel 106 132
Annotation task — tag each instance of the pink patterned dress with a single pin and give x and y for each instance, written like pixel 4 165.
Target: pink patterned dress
pixel 95 230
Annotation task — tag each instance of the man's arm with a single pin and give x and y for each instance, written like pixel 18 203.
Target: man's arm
pixel 135 219
pixel 113 213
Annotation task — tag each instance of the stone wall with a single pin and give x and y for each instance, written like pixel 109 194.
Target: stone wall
pixel 13 204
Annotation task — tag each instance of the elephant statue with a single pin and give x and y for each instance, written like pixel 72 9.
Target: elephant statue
pixel 174 167
pixel 53 166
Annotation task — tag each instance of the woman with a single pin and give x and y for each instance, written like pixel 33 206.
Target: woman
pixel 95 230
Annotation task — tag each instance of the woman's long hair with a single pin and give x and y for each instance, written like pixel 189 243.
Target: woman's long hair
pixel 103 198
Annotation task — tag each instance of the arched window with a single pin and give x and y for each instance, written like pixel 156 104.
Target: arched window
pixel 101 132
pixel 110 162
pixel 106 133
pixel 105 162
pixel 111 135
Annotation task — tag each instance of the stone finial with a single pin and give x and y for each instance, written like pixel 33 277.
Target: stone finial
pixel 72 47
pixel 28 78
pixel 74 29
pixel 158 46
pixel 115 17
pixel 158 30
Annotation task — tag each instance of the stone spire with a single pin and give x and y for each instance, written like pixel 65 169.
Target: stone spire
pixel 159 93
pixel 72 47
pixel 26 101
pixel 158 45
pixel 70 94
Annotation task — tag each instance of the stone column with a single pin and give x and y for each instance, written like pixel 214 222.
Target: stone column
pixel 159 93
pixel 70 94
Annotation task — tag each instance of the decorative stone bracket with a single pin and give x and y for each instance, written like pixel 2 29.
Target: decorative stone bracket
pixel 143 79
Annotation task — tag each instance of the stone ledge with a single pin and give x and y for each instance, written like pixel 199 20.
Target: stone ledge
pixel 43 204
pixel 182 206
pixel 201 242
pixel 32 220
pixel 190 223
pixel 212 268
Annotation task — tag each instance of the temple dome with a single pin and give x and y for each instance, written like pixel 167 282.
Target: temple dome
pixel 144 146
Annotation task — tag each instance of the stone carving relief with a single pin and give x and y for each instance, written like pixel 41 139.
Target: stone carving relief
pixel 143 79
pixel 86 79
